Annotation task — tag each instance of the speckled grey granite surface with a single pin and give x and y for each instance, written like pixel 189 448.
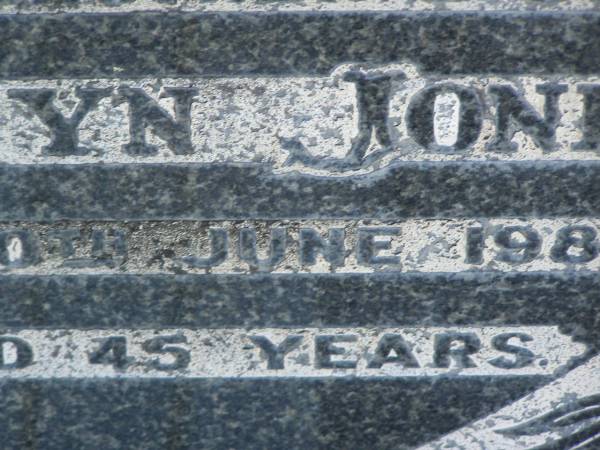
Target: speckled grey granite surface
pixel 183 44
pixel 404 190
pixel 303 413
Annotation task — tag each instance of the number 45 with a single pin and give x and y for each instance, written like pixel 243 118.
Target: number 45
pixel 112 350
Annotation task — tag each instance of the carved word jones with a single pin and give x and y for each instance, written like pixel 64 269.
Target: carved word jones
pixel 374 89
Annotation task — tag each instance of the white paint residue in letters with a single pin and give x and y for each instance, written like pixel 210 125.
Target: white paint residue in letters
pixel 15 249
pixel 9 352
pixel 445 118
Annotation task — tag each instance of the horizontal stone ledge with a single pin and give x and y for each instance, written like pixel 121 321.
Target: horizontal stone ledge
pixel 99 6
pixel 48 192
pixel 567 300
pixel 245 247
pixel 287 353
pixel 247 414
pixel 162 44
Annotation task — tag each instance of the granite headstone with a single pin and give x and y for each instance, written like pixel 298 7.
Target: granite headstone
pixel 299 224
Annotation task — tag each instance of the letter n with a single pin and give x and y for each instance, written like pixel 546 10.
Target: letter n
pixel 514 113
pixel 144 112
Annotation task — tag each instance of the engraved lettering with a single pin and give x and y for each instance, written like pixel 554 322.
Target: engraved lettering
pixel 393 343
pixel 23 353
pixel 108 244
pixel 514 250
pixel 332 249
pixel 580 237
pixel 61 241
pixel 373 103
pixel 145 112
pixel 475 245
pixel 112 351
pixel 181 356
pixel 325 349
pixel 108 248
pixel 276 353
pixel 420 116
pixel 591 118
pixel 368 246
pixel 455 347
pixel 64 137
pixel 218 253
pixel 522 356
pixel 284 352
pixel 19 248
pixel 373 90
pixel 514 113
pixel 248 252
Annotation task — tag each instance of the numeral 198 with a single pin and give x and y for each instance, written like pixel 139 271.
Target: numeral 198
pixel 518 244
